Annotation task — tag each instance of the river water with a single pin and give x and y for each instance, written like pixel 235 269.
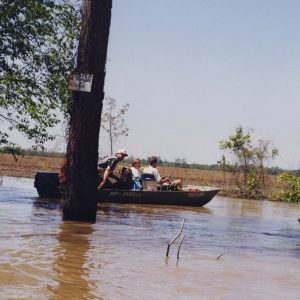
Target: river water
pixel 122 256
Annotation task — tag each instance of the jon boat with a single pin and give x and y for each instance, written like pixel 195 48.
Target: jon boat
pixel 47 186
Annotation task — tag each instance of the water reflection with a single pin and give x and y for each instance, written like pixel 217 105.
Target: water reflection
pixel 126 209
pixel 46 203
pixel 122 256
pixel 70 268
pixel 147 215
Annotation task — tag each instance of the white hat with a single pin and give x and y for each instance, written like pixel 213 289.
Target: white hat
pixel 122 151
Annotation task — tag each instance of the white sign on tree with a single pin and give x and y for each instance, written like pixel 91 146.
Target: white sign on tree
pixel 81 82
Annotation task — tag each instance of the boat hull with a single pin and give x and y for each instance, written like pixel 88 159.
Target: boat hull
pixel 182 198
pixel 47 186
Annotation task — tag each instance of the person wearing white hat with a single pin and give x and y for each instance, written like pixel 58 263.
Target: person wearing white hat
pixel 108 164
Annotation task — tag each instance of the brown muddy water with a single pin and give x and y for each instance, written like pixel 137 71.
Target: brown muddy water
pixel 122 256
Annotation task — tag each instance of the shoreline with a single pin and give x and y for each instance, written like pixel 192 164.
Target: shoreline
pixel 27 166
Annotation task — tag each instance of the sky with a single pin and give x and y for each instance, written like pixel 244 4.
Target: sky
pixel 194 70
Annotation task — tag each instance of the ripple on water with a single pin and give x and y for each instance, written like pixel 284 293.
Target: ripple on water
pixel 122 256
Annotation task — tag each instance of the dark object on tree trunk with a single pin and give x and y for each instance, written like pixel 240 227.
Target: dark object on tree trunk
pixel 85 115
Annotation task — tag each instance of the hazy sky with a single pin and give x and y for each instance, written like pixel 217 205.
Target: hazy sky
pixel 194 70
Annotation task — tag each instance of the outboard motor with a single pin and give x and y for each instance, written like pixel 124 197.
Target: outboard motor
pixel 47 185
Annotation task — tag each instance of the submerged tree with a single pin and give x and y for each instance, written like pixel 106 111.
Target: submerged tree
pixel 83 140
pixel 37 43
pixel 249 161
pixel 240 146
pixel 113 121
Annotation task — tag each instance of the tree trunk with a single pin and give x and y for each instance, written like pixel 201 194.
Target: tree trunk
pixel 82 150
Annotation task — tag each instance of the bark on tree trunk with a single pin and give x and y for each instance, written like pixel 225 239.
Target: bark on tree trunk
pixel 82 150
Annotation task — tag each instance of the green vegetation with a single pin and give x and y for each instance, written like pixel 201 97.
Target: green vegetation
pixel 13 150
pixel 179 163
pixel 18 151
pixel 283 185
pixel 248 167
pixel 37 47
pixel 288 188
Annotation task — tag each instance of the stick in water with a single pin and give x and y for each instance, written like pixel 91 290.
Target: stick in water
pixel 175 238
pixel 180 246
pixel 220 255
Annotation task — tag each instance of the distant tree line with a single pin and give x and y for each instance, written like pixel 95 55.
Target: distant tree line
pixel 287 186
pixel 178 162
pixel 18 151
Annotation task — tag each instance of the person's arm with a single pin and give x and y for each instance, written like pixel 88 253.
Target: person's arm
pixel 156 176
pixel 113 165
pixel 105 176
pixel 165 179
pixel 159 179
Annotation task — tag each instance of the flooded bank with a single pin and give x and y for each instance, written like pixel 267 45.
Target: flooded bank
pixel 122 256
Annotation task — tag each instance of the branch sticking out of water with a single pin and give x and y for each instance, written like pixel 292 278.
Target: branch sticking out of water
pixel 175 238
pixel 220 255
pixel 180 246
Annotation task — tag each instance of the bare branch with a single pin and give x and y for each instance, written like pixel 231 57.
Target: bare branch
pixel 180 246
pixel 220 255
pixel 175 238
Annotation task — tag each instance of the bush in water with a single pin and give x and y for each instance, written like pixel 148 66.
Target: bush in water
pixel 288 188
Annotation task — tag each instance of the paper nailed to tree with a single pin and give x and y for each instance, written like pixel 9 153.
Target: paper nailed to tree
pixel 80 82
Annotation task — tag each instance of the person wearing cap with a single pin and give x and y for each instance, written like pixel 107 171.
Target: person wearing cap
pixel 108 164
pixel 152 170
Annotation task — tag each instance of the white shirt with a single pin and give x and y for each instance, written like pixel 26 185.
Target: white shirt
pixel 152 171
pixel 135 172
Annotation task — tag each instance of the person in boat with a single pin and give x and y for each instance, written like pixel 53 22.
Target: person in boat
pixel 107 165
pixel 125 181
pixel 136 176
pixel 152 170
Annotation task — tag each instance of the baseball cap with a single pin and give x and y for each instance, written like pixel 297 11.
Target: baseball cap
pixel 122 151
